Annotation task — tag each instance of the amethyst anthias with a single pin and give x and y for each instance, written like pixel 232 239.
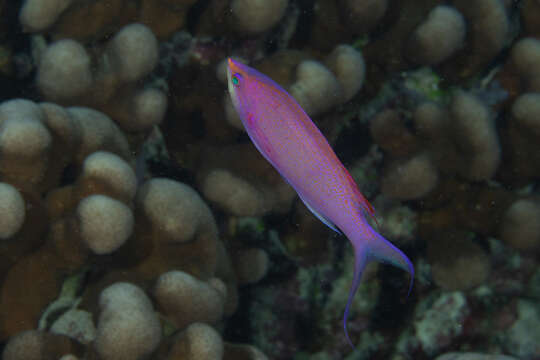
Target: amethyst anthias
pixel 285 135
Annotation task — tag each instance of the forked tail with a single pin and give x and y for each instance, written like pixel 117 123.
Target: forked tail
pixel 369 245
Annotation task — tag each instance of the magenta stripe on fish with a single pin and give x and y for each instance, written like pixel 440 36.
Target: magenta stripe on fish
pixel 285 135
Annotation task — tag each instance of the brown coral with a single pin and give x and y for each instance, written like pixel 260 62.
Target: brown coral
pixel 185 300
pixel 457 263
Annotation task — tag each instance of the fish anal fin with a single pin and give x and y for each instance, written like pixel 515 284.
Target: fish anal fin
pixel 324 220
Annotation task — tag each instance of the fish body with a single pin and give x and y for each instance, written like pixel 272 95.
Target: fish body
pixel 286 137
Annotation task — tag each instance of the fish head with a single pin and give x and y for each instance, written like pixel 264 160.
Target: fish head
pixel 240 84
pixel 254 95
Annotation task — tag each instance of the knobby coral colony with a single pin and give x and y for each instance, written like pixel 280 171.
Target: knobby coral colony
pixel 137 220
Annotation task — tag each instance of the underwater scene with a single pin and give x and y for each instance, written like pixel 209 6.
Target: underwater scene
pixel 269 179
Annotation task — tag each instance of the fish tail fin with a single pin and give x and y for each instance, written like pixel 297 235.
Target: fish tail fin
pixel 360 261
pixel 383 250
pixel 368 247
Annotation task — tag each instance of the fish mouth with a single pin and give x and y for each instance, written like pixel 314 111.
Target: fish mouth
pixel 232 69
pixel 233 65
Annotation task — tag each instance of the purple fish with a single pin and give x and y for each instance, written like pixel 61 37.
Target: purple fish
pixel 290 141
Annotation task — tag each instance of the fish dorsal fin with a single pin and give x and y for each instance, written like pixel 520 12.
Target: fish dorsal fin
pixel 320 217
pixel 362 202
pixel 368 209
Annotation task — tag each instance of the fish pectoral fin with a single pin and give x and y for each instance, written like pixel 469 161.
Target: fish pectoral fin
pixel 325 221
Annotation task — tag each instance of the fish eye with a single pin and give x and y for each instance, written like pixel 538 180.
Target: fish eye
pixel 236 79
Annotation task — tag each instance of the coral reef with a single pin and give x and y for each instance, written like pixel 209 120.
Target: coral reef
pixel 250 16
pixel 439 321
pixel 472 356
pixel 457 262
pixel 520 338
pixel 107 77
pixel 198 341
pixel 187 300
pixel 13 211
pixel 63 17
pixel 240 181
pixel 128 327
pixel 35 344
pixel 425 46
